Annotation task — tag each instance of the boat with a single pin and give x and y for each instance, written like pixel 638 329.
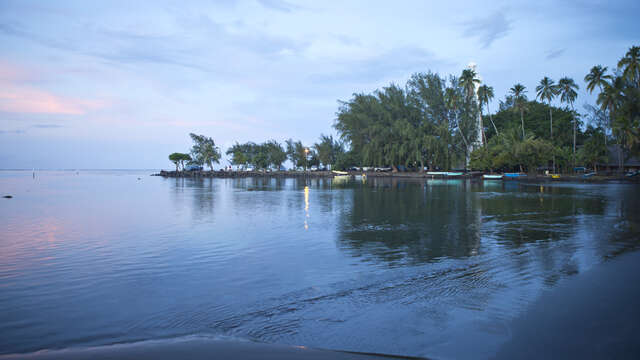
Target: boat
pixel 454 174
pixel 340 172
pixel 492 177
pixel 555 176
pixel 437 173
pixel 514 175
pixel 588 175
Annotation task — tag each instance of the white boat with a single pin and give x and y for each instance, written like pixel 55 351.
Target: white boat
pixel 492 177
pixel 340 172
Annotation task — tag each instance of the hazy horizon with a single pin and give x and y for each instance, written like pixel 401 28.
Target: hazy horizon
pixel 120 85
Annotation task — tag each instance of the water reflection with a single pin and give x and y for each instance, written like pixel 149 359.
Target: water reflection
pixel 421 221
pixel 306 207
pixel 399 221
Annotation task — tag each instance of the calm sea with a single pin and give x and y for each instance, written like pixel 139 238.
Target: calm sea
pixel 429 268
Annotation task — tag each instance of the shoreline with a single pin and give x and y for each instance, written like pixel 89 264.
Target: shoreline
pixel 371 174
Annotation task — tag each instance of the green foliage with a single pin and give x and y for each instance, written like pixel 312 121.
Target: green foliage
pixel 276 154
pixel 260 156
pixel 537 123
pixel 298 154
pixel 594 150
pixel 509 151
pixel 204 150
pixel 328 150
pixel 619 97
pixel 178 159
pixel 427 123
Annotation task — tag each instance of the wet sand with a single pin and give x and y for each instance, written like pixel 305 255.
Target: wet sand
pixel 600 306
pixel 198 348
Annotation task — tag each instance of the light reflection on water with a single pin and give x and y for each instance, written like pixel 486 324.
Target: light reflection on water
pixel 383 265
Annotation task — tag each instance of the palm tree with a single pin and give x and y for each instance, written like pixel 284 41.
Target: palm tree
pixel 597 77
pixel 547 90
pixel 630 64
pixel 468 81
pixel 568 94
pixel 609 100
pixel 485 94
pixel 519 101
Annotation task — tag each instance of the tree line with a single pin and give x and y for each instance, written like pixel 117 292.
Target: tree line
pixel 432 122
pixel 267 155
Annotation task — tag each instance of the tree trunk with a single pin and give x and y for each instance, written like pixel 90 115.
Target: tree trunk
pixel 620 160
pixel 551 133
pixel 522 121
pixel 491 118
pixel 574 139
pixel 394 168
pixel 421 165
pixel 551 123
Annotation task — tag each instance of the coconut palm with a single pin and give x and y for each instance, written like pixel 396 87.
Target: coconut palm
pixel 468 81
pixel 597 77
pixel 519 101
pixel 630 65
pixel 568 94
pixel 610 100
pixel 547 90
pixel 485 94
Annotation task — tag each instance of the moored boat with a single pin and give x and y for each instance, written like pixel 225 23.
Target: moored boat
pixel 340 172
pixel 454 174
pixel 514 175
pixel 492 177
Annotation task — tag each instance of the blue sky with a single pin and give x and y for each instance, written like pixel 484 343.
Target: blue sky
pixel 120 84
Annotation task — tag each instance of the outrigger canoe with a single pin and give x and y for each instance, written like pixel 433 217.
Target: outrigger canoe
pixel 492 177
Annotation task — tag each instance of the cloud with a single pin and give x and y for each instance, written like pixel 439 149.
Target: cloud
pixel 22 99
pixel 552 54
pixel 396 62
pixel 346 39
pixel 47 126
pixel 488 29
pixel 279 5
pixel 207 51
pixel 17 96
pixel 3 132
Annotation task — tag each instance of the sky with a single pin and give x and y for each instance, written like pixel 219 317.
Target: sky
pixel 121 84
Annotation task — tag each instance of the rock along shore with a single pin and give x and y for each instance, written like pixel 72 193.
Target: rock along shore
pixel 371 174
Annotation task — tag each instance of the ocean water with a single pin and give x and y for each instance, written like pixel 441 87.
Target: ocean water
pixel 412 267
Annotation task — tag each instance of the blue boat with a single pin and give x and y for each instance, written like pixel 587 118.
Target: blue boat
pixel 514 175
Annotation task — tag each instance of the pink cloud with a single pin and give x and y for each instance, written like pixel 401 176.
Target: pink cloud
pixel 18 96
